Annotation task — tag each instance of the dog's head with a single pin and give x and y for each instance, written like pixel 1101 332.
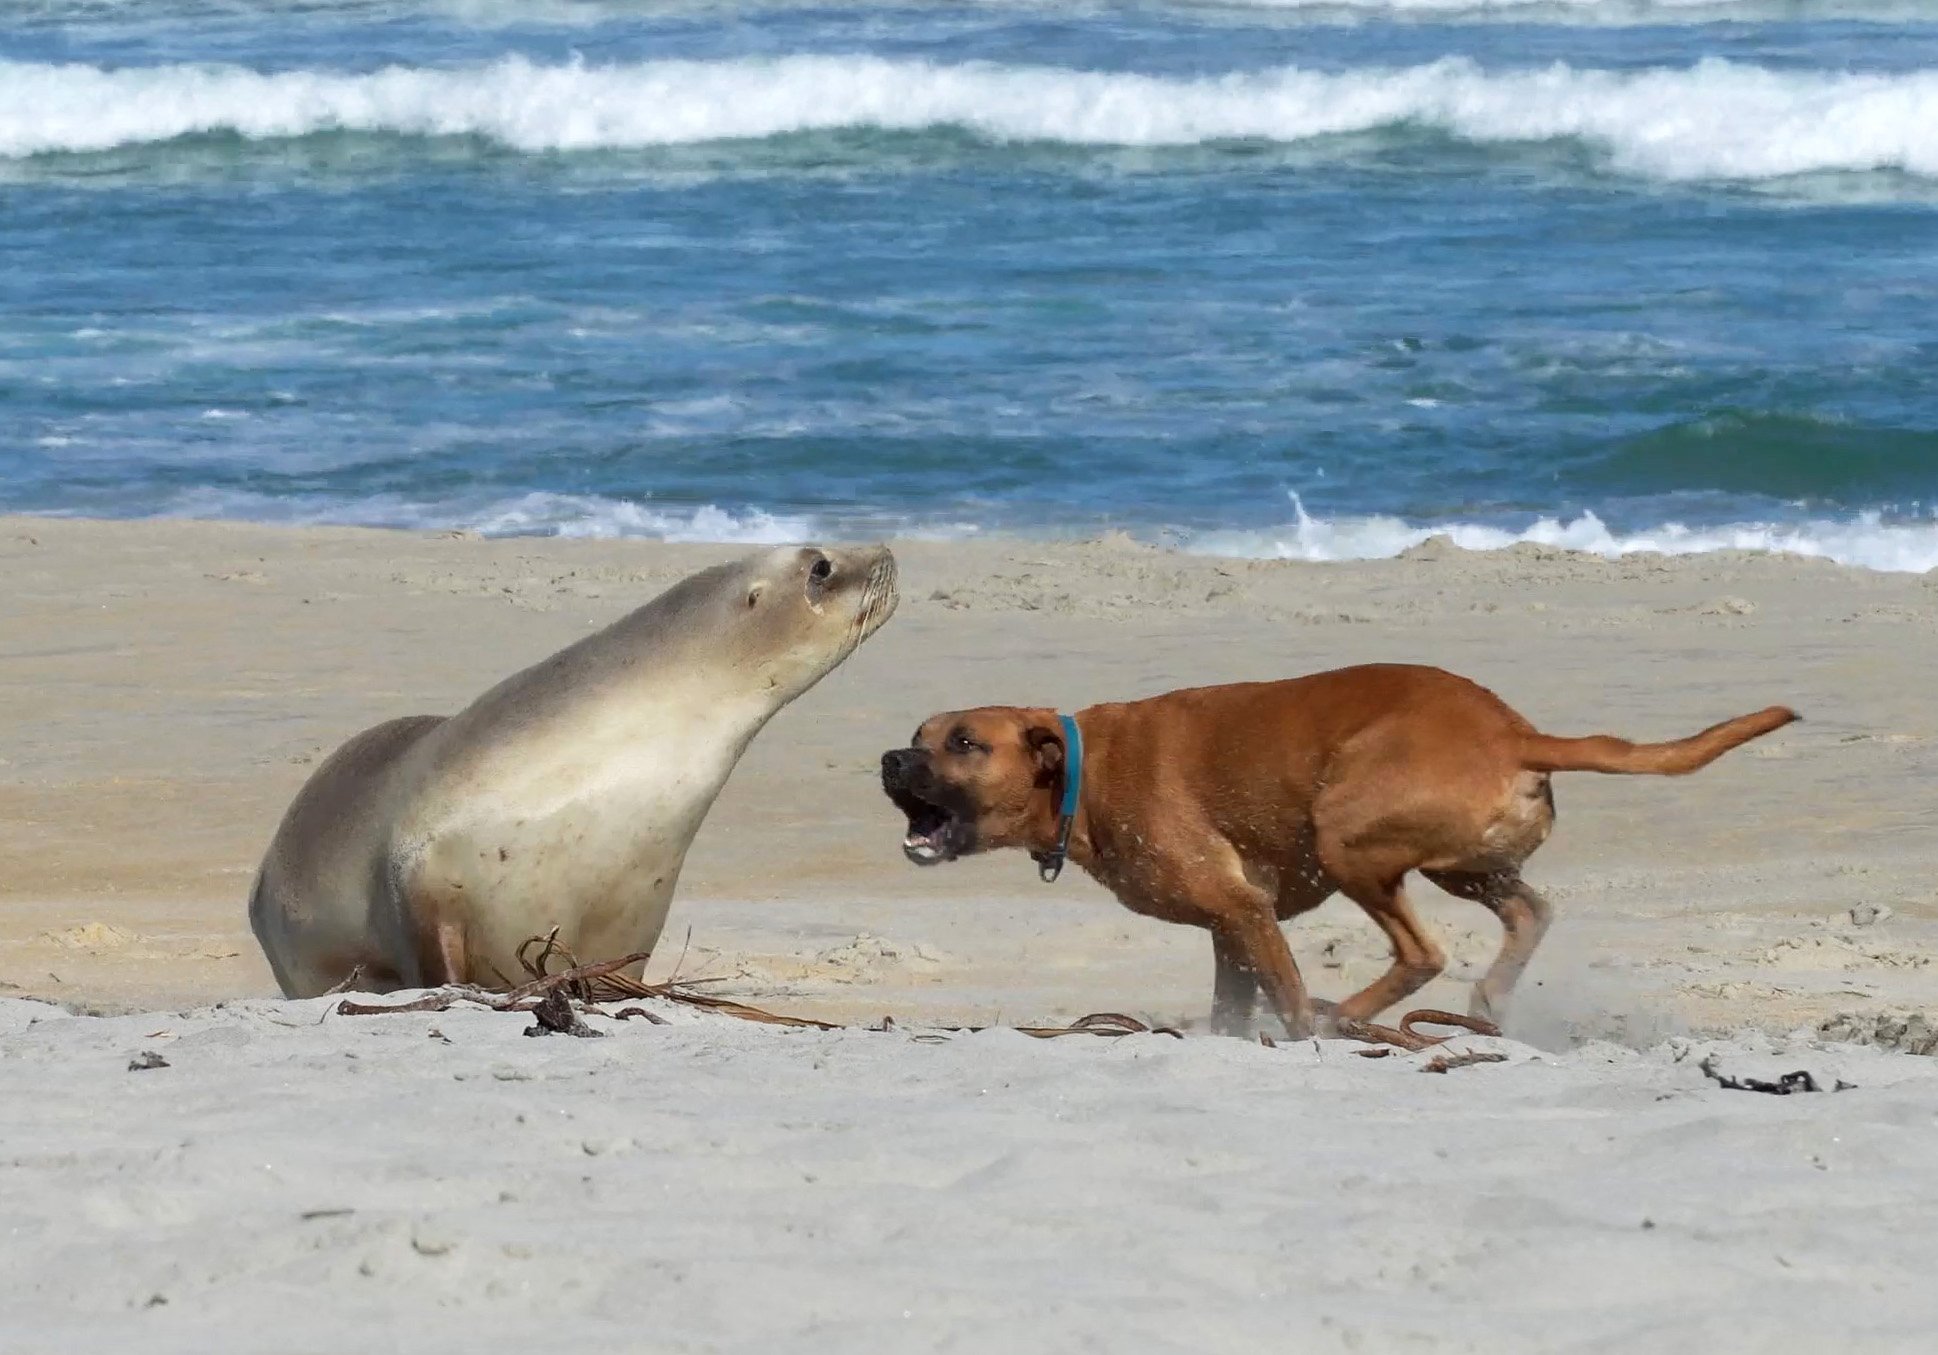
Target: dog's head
pixel 975 780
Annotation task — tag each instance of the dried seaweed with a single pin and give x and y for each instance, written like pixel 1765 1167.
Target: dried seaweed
pixel 347 984
pixel 1428 1016
pixel 549 997
pixel 1097 1023
pixel 1789 1084
pixel 1442 1063
pixel 554 1016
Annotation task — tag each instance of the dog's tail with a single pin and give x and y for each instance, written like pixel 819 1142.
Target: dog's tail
pixel 1605 753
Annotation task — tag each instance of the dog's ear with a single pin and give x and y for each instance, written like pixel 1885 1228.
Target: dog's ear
pixel 1046 741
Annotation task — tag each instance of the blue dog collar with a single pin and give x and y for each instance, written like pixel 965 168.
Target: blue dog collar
pixel 1050 864
pixel 1072 766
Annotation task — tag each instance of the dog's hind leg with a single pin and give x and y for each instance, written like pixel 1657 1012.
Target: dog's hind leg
pixel 1417 958
pixel 1524 916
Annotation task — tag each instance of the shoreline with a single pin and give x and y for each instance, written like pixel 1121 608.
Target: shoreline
pixel 171 683
pixel 1862 539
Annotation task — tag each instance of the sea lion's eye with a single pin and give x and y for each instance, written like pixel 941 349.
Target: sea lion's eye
pixel 821 570
pixel 753 596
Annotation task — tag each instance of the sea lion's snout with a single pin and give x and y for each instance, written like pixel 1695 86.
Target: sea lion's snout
pixel 883 594
pixel 870 572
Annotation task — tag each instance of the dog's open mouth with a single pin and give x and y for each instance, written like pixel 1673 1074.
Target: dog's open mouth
pixel 935 832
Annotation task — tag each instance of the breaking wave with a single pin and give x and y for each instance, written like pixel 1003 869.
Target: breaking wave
pixel 1867 540
pixel 1713 120
pixel 532 514
pixel 1610 12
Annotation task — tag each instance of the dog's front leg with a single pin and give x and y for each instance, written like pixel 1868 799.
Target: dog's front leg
pixel 1235 995
pixel 1201 879
pixel 1255 932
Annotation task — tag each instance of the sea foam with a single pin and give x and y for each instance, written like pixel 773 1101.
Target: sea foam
pixel 1611 12
pixel 537 513
pixel 1713 120
pixel 1865 539
pixel 585 13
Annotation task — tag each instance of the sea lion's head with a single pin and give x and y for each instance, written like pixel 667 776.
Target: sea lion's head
pixel 801 610
pixel 976 780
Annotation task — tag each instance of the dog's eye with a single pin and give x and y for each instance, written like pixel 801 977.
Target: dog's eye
pixel 962 743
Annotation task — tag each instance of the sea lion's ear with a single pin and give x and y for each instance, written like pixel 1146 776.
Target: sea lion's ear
pixel 1046 741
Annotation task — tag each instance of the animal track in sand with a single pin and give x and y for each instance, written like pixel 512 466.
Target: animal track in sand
pixel 863 959
pixel 1841 954
pixel 1909 1032
pixel 92 936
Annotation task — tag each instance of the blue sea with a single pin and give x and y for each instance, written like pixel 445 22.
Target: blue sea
pixel 1305 278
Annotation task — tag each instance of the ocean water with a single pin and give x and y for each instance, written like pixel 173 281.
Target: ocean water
pixel 1268 277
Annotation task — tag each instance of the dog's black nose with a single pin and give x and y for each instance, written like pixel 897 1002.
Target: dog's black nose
pixel 897 763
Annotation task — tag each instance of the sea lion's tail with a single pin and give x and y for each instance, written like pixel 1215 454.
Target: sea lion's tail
pixel 1606 753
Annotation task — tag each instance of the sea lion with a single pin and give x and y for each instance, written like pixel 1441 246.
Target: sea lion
pixel 425 850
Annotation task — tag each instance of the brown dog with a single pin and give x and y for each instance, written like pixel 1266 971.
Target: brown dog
pixel 1233 808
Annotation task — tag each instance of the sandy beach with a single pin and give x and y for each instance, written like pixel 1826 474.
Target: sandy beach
pixel 298 1181
pixel 168 686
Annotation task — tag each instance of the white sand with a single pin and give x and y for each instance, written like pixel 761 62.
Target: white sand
pixel 296 1180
